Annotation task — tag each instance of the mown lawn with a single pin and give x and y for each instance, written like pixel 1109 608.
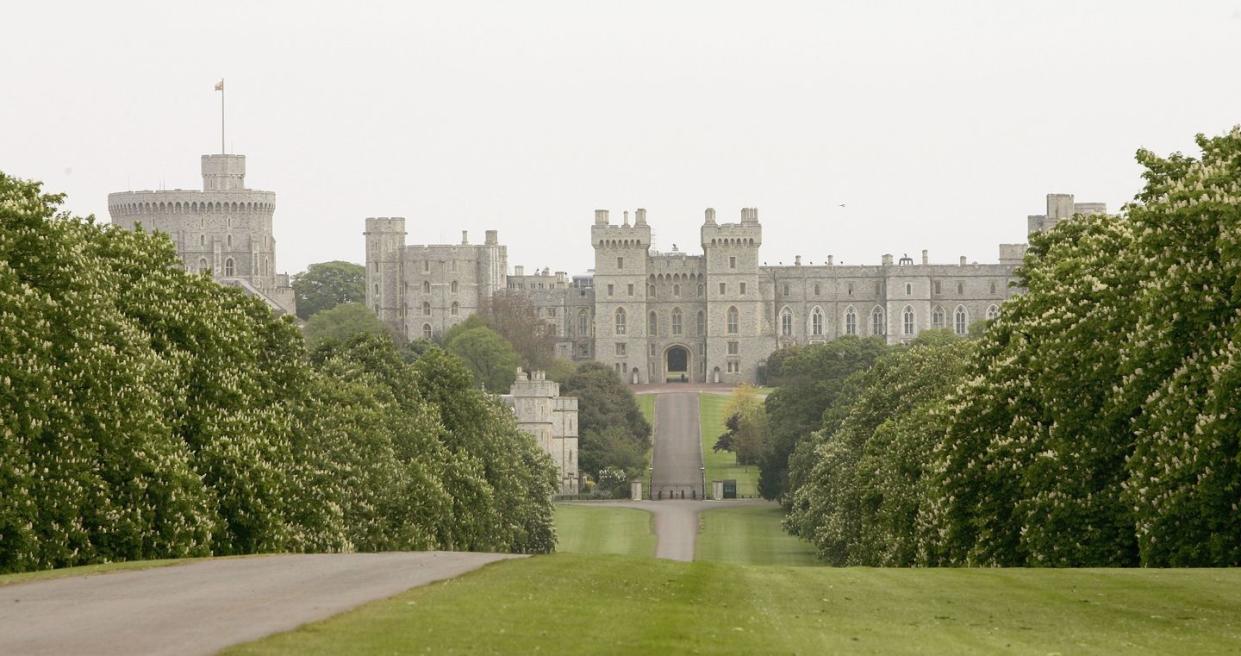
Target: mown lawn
pixel 600 529
pixel 573 604
pixel 722 465
pixel 750 535
pixel 87 570
pixel 646 403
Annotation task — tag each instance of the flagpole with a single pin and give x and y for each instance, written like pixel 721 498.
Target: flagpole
pixel 221 116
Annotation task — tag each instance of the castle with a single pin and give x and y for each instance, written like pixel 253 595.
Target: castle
pixel 550 419
pixel 657 317
pixel 224 230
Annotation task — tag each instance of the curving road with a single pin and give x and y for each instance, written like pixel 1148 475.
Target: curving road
pixel 202 607
pixel 677 460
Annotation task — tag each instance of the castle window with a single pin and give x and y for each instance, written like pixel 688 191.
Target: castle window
pixel 202 240
pixel 702 323
pixel 229 269
pixel 652 324
pixel 732 262
pixel 937 317
pixel 960 288
pixel 850 321
pixel 676 321
pixel 426 309
pixel 786 289
pixel 376 289
pixel 583 325
pixel 620 263
pixel 620 321
pixel 732 321
pixel 992 286
pixel 993 312
pixel 816 289
pixel 610 289
pixel 786 323
pixel 454 308
pixel 426 266
pixel 734 367
pixel 723 287
pixel 743 289
pixel 229 240
pixel 907 320
pixel 620 349
pixel 733 348
pixel 202 265
pixel 676 291
pixel 849 287
pixel 454 286
pixel 426 287
pixel 650 291
pixel 652 350
pixel 816 322
pixel 631 289
pixel 909 289
pixel 454 265
pixel 426 331
pixel 960 320
pixel 701 290
pixel 876 321
pixel 938 290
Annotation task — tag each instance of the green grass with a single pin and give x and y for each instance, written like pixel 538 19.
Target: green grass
pixel 750 535
pixel 722 465
pixel 570 603
pixel 601 529
pixel 646 403
pixel 87 570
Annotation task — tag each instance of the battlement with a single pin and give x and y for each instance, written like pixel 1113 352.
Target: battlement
pixel 224 172
pixel 381 224
pixel 1060 207
pixel 189 201
pixel 625 235
pixel 747 233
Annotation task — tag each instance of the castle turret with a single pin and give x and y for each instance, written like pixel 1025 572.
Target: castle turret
pixel 385 241
pixel 621 253
pixel 739 323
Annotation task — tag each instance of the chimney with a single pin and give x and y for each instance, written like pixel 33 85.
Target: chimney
pixel 925 258
pixel 639 217
pixel 887 259
pixel 465 238
pixel 962 260
pixel 601 217
pixel 829 260
pixel 492 238
pixel 797 260
pixel 711 215
pixel 626 217
pixel 519 270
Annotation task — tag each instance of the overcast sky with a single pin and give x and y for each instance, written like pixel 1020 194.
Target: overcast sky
pixel 937 125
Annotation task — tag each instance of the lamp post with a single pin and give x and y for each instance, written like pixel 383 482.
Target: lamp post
pixel 703 470
pixel 651 492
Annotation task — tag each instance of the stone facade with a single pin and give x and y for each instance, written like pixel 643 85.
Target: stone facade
pixel 224 230
pixel 715 317
pixel 551 419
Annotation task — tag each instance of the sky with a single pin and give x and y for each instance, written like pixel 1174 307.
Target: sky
pixel 855 128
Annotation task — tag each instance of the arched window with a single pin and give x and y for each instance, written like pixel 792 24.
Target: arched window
pixel 960 320
pixel 676 291
pixel 732 321
pixel 426 330
pixel 702 323
pixel 909 289
pixel 455 307
pixel 426 287
pixel 993 312
pixel 229 269
pixel 786 323
pixel 229 241
pixel 850 321
pixel 650 291
pixel 652 324
pixel 202 265
pixel 676 321
pixel 937 317
pixel 454 286
pixel 816 322
pixel 876 321
pixel 907 321
pixel 426 309
pixel 202 240
pixel 583 323
pixel 620 321
pixel 816 289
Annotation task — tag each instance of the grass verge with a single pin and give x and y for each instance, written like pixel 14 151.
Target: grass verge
pixel 646 403
pixel 88 570
pixel 722 465
pixel 569 603
pixel 750 535
pixel 600 529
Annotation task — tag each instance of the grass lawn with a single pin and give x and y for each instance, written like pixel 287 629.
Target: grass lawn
pixel 750 536
pixel 87 570
pixel 646 403
pixel 599 529
pixel 571 603
pixel 722 465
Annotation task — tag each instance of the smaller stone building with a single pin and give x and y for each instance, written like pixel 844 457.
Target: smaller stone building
pixel 551 419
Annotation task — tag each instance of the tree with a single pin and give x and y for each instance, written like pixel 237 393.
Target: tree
pixel 325 285
pixel 488 356
pixel 514 317
pixel 746 426
pixel 604 404
pixel 341 323
pixel 809 378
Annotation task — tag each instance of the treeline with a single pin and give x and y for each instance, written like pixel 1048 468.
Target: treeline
pixel 146 413
pixel 1097 422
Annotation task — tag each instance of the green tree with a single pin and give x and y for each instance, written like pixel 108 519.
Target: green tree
pixel 604 404
pixel 488 356
pixel 341 323
pixel 325 285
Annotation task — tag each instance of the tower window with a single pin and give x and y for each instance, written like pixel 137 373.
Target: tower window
pixel 426 331
pixel 426 287
pixel 229 268
pixel 676 321
pixel 959 320
pixel 909 289
pixel 850 322
pixel 876 322
pixel 620 263
pixel 732 321
pixel 743 289
pixel 786 323
pixel 816 322
pixel 907 322
pixel 732 262
pixel 620 321
pixel 426 309
pixel 723 286
pixel 631 289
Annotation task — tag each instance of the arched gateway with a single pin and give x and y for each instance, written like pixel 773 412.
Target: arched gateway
pixel 676 364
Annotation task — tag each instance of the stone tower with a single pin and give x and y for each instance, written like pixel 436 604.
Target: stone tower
pixel 385 242
pixel 739 330
pixel 225 229
pixel 621 253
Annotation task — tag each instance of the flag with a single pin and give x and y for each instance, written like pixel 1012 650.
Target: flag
pixel 219 86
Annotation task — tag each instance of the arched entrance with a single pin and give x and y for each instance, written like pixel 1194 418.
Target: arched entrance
pixel 676 364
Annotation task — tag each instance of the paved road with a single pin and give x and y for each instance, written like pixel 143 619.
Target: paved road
pixel 676 522
pixel 678 452
pixel 202 607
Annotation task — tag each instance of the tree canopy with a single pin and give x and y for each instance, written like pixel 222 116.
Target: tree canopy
pixel 607 412
pixel 325 285
pixel 487 355
pixel 341 323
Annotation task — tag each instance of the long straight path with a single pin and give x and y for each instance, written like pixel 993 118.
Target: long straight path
pixel 202 607
pixel 677 459
pixel 676 522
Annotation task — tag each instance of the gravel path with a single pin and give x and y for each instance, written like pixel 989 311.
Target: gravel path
pixel 678 451
pixel 676 522
pixel 202 607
